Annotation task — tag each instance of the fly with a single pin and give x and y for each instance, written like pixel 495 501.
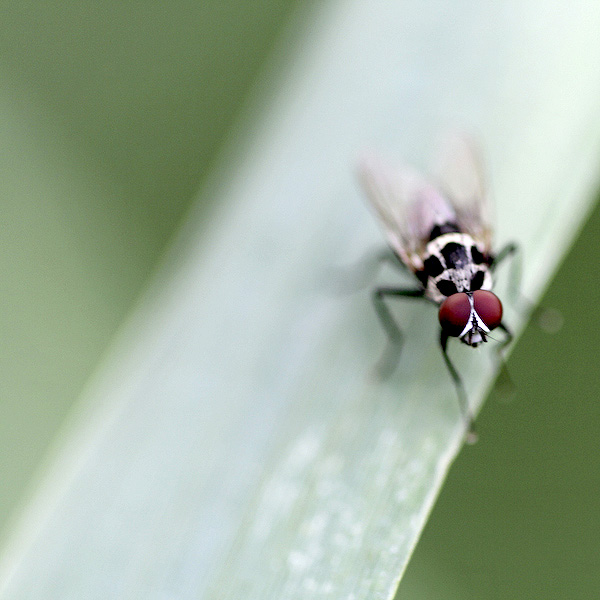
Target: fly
pixel 441 234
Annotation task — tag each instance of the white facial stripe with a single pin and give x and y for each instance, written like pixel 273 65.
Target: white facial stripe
pixel 480 324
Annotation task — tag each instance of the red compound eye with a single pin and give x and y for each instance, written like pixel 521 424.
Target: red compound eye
pixel 488 307
pixel 454 313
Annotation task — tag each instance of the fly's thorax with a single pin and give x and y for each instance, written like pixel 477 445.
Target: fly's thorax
pixel 454 262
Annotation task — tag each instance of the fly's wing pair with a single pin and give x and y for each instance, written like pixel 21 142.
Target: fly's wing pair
pixel 461 173
pixel 409 206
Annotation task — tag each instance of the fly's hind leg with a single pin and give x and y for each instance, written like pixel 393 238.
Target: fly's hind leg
pixel 463 402
pixel 391 355
pixel 512 251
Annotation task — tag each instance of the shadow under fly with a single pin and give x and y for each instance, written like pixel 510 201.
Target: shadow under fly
pixel 441 234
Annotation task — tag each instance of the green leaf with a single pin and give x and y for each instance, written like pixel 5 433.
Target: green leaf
pixel 235 443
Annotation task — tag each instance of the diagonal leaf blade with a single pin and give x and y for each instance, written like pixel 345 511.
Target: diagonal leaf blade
pixel 234 442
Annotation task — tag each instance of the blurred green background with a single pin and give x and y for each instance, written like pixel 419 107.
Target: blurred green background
pixel 110 114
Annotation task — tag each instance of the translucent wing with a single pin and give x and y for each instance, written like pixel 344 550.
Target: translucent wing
pixel 407 205
pixel 461 178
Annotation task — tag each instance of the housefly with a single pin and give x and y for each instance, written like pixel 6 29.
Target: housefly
pixel 441 234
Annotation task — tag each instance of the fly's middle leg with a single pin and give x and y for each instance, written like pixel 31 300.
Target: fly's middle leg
pixel 355 277
pixel 391 355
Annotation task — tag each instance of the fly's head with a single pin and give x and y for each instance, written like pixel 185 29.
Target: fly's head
pixel 470 316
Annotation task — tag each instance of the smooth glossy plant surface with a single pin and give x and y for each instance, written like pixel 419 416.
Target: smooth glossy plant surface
pixel 236 443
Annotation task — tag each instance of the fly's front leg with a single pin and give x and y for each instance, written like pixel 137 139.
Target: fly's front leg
pixel 390 357
pixel 504 382
pixel 507 339
pixel 548 319
pixel 463 402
